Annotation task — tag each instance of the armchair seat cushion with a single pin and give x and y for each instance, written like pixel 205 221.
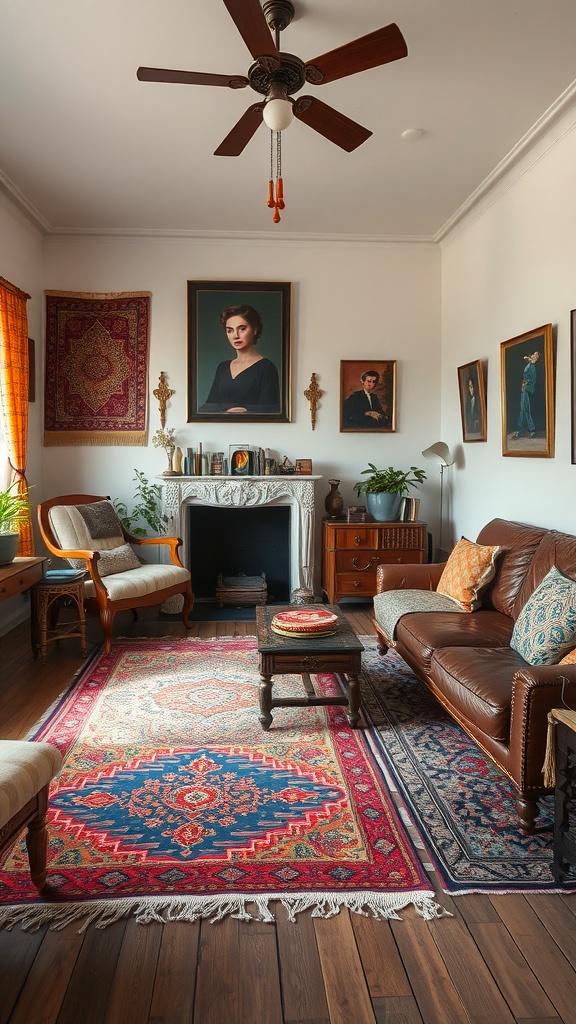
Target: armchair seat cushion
pixel 25 768
pixel 134 583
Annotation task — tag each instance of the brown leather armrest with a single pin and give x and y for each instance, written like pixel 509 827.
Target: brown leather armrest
pixel 536 690
pixel 409 576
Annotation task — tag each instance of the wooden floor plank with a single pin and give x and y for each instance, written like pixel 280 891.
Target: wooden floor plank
pixel 132 985
pixel 521 990
pixel 346 988
pixel 18 950
pixel 218 978
pixel 45 987
pixel 558 919
pixel 539 949
pixel 434 990
pixel 398 1010
pixel 381 960
pixel 260 995
pixel 175 980
pixel 303 994
pixel 89 988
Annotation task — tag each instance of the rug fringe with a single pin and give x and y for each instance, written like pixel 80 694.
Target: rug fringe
pixel 379 905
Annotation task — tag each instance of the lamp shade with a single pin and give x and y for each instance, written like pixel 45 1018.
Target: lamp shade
pixel 439 452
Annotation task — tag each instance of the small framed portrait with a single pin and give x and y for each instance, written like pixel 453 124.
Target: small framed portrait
pixel 368 395
pixel 472 392
pixel 527 386
pixel 239 351
pixel 304 467
pixel 573 377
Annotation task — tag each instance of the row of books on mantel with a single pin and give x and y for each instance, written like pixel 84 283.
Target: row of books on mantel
pixel 241 460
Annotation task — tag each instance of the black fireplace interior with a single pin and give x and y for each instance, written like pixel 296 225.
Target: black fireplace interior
pixel 235 541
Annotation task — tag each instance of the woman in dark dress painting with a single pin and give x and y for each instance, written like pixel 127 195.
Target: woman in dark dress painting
pixel 249 382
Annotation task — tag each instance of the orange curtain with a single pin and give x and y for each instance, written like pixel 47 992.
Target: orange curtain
pixel 14 380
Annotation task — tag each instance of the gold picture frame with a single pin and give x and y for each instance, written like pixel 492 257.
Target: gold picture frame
pixel 527 394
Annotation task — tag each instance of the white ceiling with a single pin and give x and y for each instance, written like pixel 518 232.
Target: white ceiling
pixel 88 147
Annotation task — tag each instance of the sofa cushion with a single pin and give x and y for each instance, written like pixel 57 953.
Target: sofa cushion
pixel 391 605
pixel 468 570
pixel 545 629
pixel 519 544
pixel 421 634
pixel 477 683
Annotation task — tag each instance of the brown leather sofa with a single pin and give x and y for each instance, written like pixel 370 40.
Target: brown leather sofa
pixel 465 659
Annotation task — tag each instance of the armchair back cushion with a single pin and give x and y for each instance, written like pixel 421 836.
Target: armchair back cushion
pixel 93 527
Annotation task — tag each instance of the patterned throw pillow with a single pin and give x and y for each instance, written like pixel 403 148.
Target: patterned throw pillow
pixel 118 559
pixel 469 568
pixel 545 630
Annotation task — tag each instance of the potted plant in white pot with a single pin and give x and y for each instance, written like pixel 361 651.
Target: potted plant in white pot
pixel 14 509
pixel 385 488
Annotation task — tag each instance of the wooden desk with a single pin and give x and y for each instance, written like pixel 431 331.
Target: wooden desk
pixel 20 575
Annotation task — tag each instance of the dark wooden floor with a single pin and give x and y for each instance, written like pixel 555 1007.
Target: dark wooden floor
pixel 497 960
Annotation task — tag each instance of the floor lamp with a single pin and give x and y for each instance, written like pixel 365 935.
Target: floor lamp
pixel 440 453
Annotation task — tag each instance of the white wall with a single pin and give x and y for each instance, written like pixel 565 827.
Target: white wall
pixel 351 300
pixel 509 269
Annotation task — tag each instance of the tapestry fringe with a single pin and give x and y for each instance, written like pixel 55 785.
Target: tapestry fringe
pixel 64 438
pixel 98 295
pixel 380 905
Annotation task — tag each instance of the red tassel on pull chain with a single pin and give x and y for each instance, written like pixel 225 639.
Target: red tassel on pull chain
pixel 280 194
pixel 276 217
pixel 271 203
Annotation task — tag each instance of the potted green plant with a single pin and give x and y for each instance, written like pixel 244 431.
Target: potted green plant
pixel 385 488
pixel 14 509
pixel 147 508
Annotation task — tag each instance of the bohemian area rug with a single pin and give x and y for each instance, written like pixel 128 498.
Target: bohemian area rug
pixel 174 804
pixel 461 805
pixel 96 390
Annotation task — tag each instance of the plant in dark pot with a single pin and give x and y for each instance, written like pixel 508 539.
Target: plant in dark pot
pixel 385 488
pixel 14 509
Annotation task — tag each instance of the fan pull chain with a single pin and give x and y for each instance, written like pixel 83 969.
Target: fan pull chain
pixel 276 185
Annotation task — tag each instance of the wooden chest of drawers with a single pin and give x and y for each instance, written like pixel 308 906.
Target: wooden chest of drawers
pixel 351 553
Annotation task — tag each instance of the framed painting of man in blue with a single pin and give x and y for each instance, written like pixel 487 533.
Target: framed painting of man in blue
pixel 239 351
pixel 527 383
pixel 368 395
pixel 472 401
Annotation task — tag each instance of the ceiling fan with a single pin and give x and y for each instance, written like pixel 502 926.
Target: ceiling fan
pixel 276 75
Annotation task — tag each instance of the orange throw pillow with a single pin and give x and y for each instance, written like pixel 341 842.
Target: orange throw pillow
pixel 469 568
pixel 569 658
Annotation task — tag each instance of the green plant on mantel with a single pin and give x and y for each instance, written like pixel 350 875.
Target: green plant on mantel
pixel 391 481
pixel 14 508
pixel 146 507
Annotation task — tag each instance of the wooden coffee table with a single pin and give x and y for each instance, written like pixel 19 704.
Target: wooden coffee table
pixel 339 654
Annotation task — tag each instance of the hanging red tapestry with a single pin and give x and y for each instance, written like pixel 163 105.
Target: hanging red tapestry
pixel 96 368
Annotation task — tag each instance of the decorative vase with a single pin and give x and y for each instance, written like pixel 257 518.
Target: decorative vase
pixel 170 454
pixel 383 506
pixel 334 502
pixel 8 547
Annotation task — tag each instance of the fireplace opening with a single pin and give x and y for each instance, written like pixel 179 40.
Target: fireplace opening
pixel 234 541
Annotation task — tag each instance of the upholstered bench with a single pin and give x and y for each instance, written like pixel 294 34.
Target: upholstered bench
pixel 26 770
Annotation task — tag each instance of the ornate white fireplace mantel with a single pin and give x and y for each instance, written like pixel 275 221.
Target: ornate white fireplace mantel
pixel 245 492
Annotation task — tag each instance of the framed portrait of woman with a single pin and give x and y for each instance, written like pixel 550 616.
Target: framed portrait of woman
pixel 527 385
pixel 239 351
pixel 472 393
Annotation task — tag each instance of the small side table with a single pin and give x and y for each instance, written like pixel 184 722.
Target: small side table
pixel 564 863
pixel 48 596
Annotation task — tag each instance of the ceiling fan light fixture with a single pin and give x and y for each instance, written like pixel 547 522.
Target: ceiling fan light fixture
pixel 278 115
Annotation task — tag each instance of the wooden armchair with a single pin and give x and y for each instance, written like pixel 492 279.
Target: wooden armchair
pixel 85 530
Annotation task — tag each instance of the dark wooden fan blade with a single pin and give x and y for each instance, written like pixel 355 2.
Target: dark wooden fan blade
pixel 190 78
pixel 330 123
pixel 379 47
pixel 249 19
pixel 242 132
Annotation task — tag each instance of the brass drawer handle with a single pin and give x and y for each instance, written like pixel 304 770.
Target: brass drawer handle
pixel 368 565
pixel 357 540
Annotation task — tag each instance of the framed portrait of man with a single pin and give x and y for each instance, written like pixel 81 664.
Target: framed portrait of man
pixel 239 351
pixel 368 395
pixel 472 393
